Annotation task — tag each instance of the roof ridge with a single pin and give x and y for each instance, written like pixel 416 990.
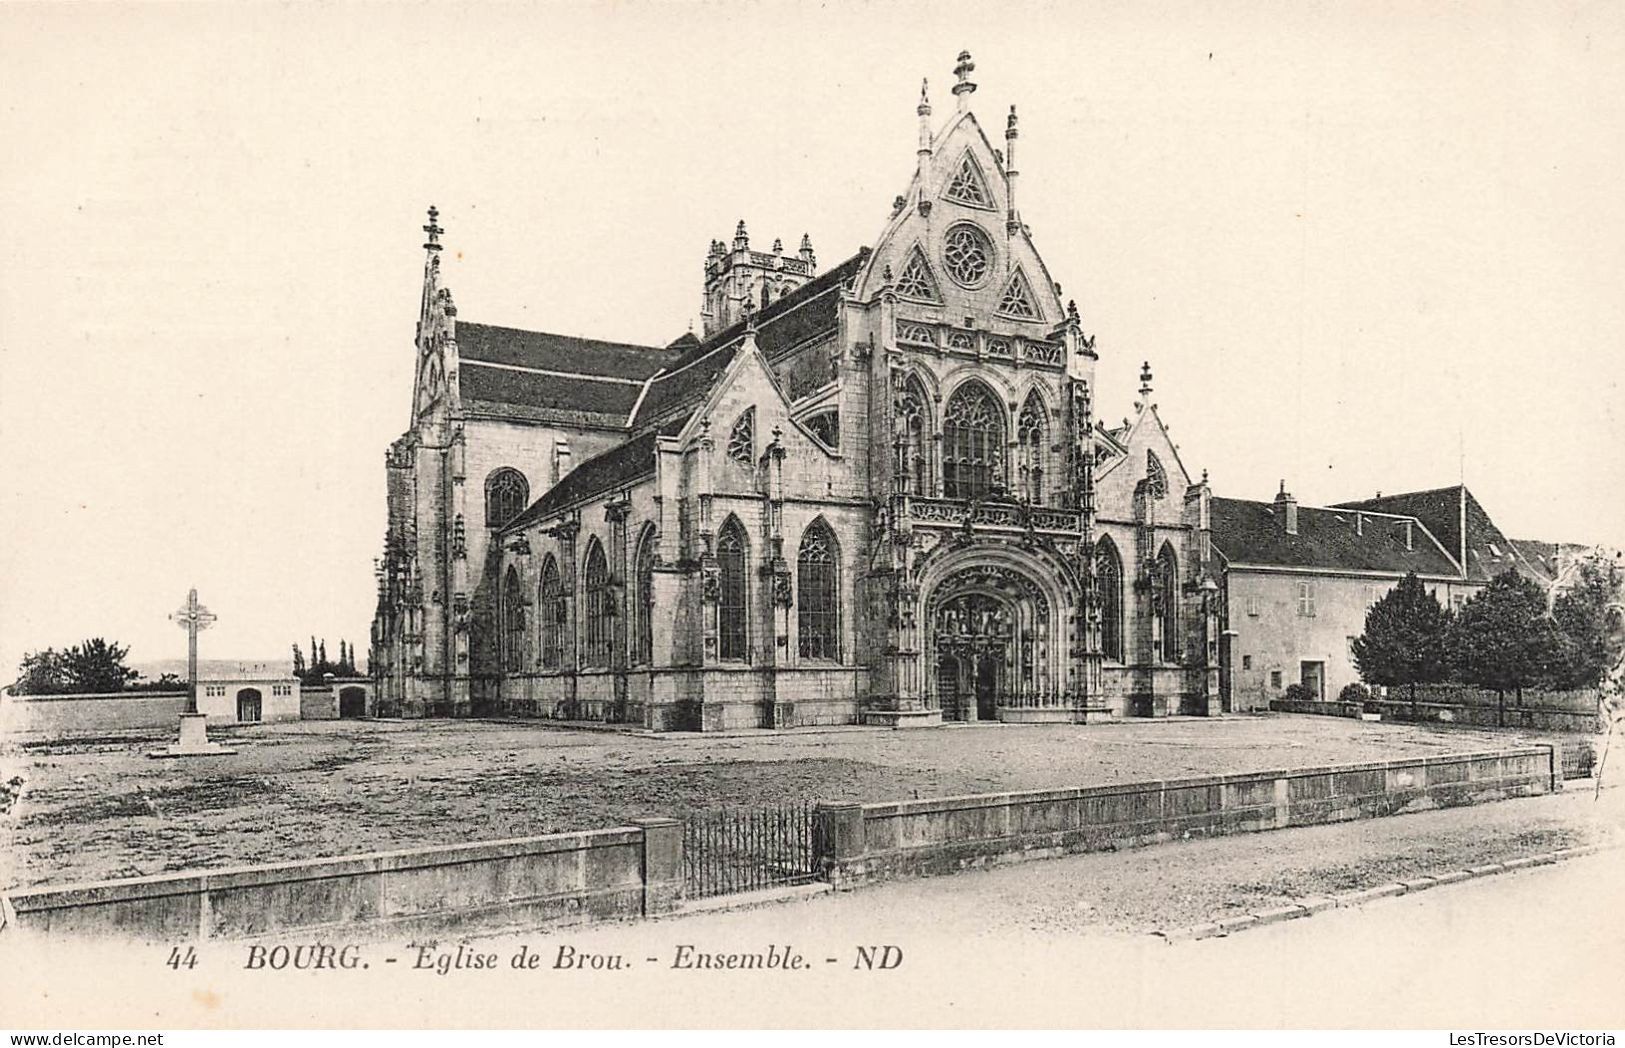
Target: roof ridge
pixel 561 334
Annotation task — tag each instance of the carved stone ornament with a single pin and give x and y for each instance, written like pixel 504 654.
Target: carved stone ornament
pixel 710 585
pixel 781 589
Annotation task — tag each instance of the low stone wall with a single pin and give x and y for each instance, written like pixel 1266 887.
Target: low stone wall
pixel 535 881
pixel 1528 716
pixel 866 842
pixel 318 704
pixel 101 714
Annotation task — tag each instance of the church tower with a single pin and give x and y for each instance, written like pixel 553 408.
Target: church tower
pixel 740 281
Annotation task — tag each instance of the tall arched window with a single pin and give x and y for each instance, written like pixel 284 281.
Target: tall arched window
pixel 1155 476
pixel 732 636
pixel 1032 429
pixel 818 593
pixel 643 606
pixel 507 493
pixel 513 623
pixel 1166 623
pixel 1109 587
pixel 972 443
pixel 551 609
pixel 913 437
pixel 600 608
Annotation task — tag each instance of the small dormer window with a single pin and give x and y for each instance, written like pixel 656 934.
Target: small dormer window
pixel 742 441
pixel 1495 551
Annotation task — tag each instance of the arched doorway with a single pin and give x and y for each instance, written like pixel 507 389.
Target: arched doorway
pixel 991 634
pixel 352 702
pixel 248 706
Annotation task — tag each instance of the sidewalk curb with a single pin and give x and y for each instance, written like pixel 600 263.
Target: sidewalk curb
pixel 1308 907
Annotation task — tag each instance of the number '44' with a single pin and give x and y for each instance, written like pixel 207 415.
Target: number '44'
pixel 179 959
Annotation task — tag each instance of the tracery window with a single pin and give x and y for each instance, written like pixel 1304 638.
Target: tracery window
pixel 513 622
pixel 1031 430
pixel 643 606
pixel 552 611
pixel 916 281
pixel 1165 626
pixel 972 443
pixel 1017 300
pixel 914 438
pixel 1109 588
pixel 731 610
pixel 600 606
pixel 818 593
pixel 967 186
pixel 967 254
pixel 1155 476
pixel 742 440
pixel 506 495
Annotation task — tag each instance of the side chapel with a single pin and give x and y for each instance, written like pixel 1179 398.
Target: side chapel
pixel 876 493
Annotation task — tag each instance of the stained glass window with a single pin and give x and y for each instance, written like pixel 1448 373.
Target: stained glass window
pixel 1156 477
pixel 742 440
pixel 913 438
pixel 1166 632
pixel 967 186
pixel 552 612
pixel 1109 588
pixel 643 607
pixel 1031 430
pixel 513 623
pixel 967 254
pixel 506 495
pixel 973 443
pixel 818 593
pixel 731 632
pixel 600 608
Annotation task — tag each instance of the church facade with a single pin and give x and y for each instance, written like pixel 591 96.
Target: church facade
pixel 876 493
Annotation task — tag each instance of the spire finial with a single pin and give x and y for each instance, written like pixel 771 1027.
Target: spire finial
pixel 433 229
pixel 924 108
pixel 964 87
pixel 1010 124
pixel 741 238
pixel 1145 379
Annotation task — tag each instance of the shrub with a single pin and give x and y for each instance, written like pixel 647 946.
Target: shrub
pixel 1355 692
pixel 1299 693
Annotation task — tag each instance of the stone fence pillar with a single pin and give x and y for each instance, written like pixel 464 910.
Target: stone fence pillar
pixel 838 841
pixel 662 864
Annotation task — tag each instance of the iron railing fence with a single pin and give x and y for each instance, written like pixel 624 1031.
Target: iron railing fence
pixel 747 849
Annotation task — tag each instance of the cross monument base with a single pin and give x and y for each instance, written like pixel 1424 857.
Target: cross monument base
pixel 194 740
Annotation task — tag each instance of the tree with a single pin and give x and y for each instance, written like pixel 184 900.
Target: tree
pixel 1580 611
pixel 97 666
pixel 1504 640
pixel 298 662
pixel 1404 639
pixel 41 673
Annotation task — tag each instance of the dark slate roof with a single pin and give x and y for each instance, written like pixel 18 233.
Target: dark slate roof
pixel 1246 532
pixel 809 311
pixel 603 472
pixel 548 395
pixel 1489 552
pixel 539 349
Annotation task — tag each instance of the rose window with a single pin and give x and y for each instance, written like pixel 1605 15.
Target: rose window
pixel 967 255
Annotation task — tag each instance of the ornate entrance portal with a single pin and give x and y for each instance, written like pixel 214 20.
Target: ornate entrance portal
pixel 990 646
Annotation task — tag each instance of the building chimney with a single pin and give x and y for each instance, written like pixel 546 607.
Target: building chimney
pixel 1410 534
pixel 561 459
pixel 1359 523
pixel 1286 507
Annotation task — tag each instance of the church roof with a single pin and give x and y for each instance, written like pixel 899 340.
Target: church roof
pixel 1247 532
pixel 548 377
pixel 1489 552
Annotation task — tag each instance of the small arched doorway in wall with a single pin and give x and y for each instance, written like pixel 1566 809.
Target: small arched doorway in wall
pixel 248 706
pixel 352 702
pixel 975 636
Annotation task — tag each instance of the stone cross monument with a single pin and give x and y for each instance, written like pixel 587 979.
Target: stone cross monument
pixel 192 617
pixel 194 740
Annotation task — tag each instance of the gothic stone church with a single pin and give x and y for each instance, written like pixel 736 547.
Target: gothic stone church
pixel 876 493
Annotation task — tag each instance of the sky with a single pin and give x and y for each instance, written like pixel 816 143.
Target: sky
pixel 1364 246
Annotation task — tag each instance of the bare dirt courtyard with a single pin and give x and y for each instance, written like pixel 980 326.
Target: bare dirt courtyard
pixel 94 809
